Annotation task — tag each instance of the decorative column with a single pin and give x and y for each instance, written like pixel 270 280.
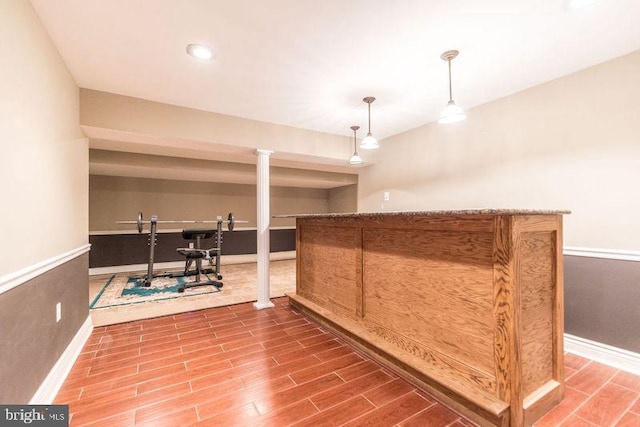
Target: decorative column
pixel 264 219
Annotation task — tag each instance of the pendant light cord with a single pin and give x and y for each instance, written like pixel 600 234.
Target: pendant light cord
pixel 355 144
pixel 355 138
pixel 369 117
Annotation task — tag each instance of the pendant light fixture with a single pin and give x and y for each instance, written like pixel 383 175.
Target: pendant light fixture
pixel 369 142
pixel 200 51
pixel 451 113
pixel 355 159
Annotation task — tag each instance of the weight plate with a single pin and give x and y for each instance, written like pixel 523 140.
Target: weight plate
pixel 140 222
pixel 232 222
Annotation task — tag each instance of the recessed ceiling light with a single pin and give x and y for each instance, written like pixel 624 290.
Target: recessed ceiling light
pixel 200 51
pixel 581 4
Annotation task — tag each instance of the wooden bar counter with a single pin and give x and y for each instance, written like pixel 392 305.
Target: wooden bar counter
pixel 466 304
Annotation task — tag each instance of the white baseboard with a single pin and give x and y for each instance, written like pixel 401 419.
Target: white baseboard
pixel 616 357
pixel 10 281
pixel 224 260
pixel 54 380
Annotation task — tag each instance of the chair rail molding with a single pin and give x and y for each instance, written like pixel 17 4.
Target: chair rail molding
pixel 11 280
pixel 619 254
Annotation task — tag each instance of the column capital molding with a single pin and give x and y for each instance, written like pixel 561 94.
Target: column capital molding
pixel 261 152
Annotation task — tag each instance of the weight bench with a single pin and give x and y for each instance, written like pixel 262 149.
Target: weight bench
pixel 197 254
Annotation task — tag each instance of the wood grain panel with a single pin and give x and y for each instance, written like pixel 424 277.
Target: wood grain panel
pixel 446 386
pixel 479 223
pixel 527 223
pixel 434 288
pixel 537 290
pixel 327 261
pixel 507 319
pixel 470 306
pixel 445 367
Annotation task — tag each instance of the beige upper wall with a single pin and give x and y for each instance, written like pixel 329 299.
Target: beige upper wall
pixel 44 171
pixel 123 122
pixel 115 163
pixel 119 198
pixel 344 199
pixel 573 143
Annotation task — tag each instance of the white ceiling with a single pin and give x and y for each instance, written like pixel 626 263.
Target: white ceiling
pixel 309 63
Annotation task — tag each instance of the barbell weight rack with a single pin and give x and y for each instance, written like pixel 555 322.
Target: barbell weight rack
pixel 139 222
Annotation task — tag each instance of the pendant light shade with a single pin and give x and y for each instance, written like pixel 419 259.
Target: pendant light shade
pixel 369 142
pixel 200 51
pixel 451 113
pixel 355 159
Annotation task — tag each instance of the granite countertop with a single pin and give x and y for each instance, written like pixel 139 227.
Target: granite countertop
pixel 454 212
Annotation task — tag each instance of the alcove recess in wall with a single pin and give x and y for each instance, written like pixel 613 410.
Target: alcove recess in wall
pixel 113 198
pixel 121 184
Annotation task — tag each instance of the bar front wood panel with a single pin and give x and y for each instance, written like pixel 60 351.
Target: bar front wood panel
pixel 330 267
pixel 469 307
pixel 536 272
pixel 451 317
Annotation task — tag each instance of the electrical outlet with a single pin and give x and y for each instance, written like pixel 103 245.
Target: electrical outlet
pixel 386 196
pixel 58 312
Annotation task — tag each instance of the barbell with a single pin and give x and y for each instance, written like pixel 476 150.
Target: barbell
pixel 139 222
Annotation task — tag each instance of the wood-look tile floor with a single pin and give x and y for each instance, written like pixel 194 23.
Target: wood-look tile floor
pixel 595 395
pixel 236 366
